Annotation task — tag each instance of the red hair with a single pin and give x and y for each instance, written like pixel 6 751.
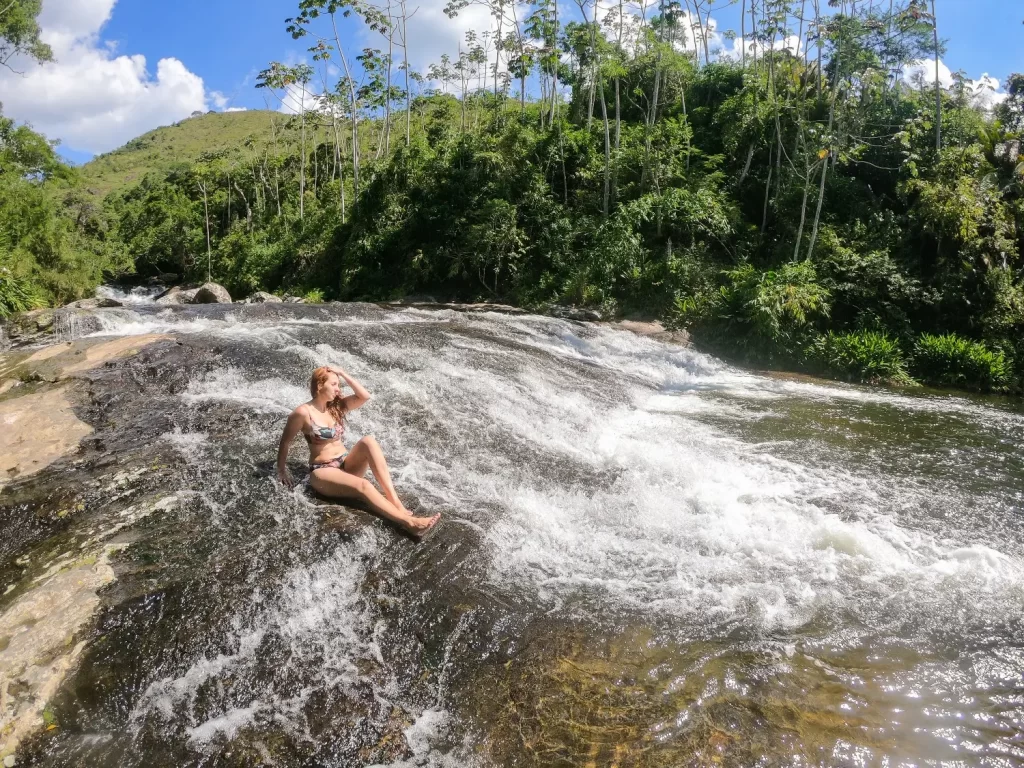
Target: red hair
pixel 336 407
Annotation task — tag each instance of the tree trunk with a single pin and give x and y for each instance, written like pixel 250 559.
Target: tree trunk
pixel 652 112
pixel 743 36
pixel 302 155
pixel 824 165
pixel 554 73
pixel 209 250
pixel 590 107
pixel 355 114
pixel 803 207
pixel 248 210
pixel 817 30
pixel 408 91
pixel 607 150
pixel 938 86
pixel 316 165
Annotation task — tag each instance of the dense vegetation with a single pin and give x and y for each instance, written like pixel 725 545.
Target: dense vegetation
pixel 807 209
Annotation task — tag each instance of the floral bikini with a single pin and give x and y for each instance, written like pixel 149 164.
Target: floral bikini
pixel 327 435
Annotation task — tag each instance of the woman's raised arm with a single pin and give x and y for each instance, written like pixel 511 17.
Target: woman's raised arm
pixel 291 429
pixel 360 395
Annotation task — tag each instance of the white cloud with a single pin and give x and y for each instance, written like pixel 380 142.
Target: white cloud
pixel 432 34
pixel 924 71
pixel 235 109
pixel 294 99
pixel 219 100
pixel 89 97
pixel 985 92
pixel 733 49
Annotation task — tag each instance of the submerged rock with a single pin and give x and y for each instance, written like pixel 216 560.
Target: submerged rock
pixel 37 643
pixel 212 293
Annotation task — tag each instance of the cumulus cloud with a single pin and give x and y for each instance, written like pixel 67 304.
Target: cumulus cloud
pixel 89 97
pixel 432 34
pixel 295 99
pixel 985 92
pixel 733 49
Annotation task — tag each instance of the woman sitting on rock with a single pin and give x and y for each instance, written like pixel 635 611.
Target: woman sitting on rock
pixel 333 471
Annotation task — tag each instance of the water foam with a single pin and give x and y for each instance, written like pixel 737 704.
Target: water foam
pixel 316 614
pixel 690 521
pixel 141 294
pixel 651 507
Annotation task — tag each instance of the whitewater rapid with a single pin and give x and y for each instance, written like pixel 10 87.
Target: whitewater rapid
pixel 606 472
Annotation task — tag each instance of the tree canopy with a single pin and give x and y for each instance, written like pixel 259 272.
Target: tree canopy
pixel 803 206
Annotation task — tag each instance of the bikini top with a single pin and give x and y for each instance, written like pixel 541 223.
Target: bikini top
pixel 326 434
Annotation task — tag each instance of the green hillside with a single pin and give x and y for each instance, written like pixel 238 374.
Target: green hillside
pixel 182 143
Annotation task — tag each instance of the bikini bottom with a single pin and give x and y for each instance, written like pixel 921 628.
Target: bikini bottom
pixel 338 463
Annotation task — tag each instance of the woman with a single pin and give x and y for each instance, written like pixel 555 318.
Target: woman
pixel 333 472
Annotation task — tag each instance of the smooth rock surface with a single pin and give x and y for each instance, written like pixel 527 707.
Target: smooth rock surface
pixel 94 303
pixel 262 297
pixel 177 295
pixel 212 293
pixel 37 637
pixel 40 427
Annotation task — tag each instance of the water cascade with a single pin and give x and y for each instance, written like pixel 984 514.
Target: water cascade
pixel 648 557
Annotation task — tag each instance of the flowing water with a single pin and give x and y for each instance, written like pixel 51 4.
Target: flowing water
pixel 647 557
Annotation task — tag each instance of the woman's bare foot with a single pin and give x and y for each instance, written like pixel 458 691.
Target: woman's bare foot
pixel 418 526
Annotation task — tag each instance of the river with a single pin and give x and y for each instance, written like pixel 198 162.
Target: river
pixel 647 557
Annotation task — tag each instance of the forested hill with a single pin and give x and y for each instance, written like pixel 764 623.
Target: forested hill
pixel 818 210
pixel 184 142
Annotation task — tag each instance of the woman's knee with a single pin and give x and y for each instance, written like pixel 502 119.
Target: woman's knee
pixel 367 440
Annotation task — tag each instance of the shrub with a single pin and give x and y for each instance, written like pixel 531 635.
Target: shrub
pixel 761 316
pixel 16 294
pixel 860 356
pixel 957 362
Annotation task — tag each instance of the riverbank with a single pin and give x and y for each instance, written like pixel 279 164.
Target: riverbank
pixel 47 612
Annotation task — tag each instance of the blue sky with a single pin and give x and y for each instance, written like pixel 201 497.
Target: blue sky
pixel 127 66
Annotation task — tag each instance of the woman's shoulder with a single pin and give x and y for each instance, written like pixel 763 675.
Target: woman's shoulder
pixel 300 410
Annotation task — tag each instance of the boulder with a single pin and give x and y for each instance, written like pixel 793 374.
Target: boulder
pixel 39 320
pixel 28 327
pixel 294 300
pixel 574 313
pixel 176 295
pixel 262 297
pixel 212 293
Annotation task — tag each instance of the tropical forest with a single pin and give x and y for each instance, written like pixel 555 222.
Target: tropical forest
pixel 807 204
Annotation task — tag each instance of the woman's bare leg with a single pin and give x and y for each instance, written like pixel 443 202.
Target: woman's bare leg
pixel 367 453
pixel 341 485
